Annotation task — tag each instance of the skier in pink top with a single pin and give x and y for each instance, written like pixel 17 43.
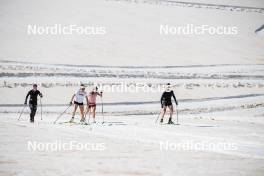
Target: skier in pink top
pixel 92 102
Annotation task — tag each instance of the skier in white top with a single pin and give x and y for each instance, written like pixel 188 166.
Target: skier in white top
pixel 78 102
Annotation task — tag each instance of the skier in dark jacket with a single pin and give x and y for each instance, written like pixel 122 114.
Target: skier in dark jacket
pixel 165 101
pixel 33 101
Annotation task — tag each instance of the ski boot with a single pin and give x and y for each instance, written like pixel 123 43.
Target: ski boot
pixel 170 121
pixel 82 120
pixel 72 120
pixel 161 120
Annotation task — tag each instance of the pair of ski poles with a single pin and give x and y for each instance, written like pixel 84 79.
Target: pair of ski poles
pixel 176 116
pixel 25 107
pixel 85 113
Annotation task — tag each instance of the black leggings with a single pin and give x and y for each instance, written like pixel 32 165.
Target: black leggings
pixel 166 103
pixel 33 110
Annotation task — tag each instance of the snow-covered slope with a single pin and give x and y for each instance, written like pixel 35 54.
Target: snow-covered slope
pixel 132 34
pixel 132 146
pixel 217 79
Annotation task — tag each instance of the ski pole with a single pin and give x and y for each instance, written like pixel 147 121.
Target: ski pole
pixel 87 111
pixel 89 115
pixel 85 114
pixel 177 116
pixel 40 108
pixel 102 108
pixel 62 114
pixel 158 117
pixel 21 112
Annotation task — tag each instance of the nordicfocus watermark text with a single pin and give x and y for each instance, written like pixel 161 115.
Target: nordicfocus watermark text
pixel 191 29
pixel 58 145
pixel 59 29
pixel 193 145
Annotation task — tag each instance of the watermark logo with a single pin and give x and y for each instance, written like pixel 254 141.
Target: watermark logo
pixel 191 29
pixel 60 29
pixel 126 87
pixel 58 145
pixel 201 145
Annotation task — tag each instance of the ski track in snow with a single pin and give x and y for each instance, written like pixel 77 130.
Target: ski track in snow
pixel 20 74
pixel 140 133
pixel 197 5
pixel 152 102
pixel 10 70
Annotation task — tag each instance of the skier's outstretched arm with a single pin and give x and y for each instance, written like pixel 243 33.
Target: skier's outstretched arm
pixel 72 99
pixel 40 94
pixel 100 94
pixel 175 98
pixel 161 99
pixel 26 98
